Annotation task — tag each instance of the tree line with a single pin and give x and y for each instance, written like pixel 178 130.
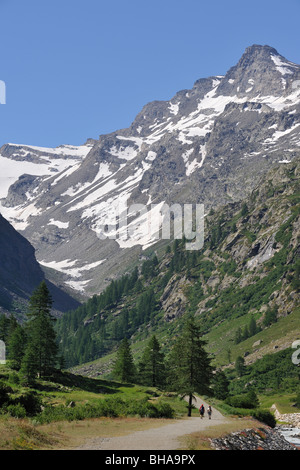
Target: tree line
pixel 32 351
pixel 186 370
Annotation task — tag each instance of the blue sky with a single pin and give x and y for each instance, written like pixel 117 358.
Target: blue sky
pixel 77 69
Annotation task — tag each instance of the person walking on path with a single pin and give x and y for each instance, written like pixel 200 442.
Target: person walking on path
pixel 209 411
pixel 201 410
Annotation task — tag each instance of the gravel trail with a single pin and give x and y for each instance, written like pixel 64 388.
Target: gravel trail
pixel 161 438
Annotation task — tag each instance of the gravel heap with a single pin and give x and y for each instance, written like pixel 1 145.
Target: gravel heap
pixel 253 439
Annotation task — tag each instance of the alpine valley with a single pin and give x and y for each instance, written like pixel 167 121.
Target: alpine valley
pixel 232 143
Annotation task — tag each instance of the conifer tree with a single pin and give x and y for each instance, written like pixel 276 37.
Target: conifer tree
pixel 190 365
pixel 16 347
pixel 220 385
pixel 124 368
pixel 240 366
pixel 252 327
pixel 29 364
pixel 41 350
pixel 152 367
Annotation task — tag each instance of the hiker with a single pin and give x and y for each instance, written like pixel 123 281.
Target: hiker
pixel 201 410
pixel 209 411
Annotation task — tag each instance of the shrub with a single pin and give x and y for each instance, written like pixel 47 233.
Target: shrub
pixel 165 410
pixel 110 407
pixel 31 402
pixel 14 378
pixel 142 408
pixel 248 401
pixel 4 397
pixel 17 410
pixel 265 417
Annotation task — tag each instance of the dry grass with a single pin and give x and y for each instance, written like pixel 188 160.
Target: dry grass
pixel 20 434
pixel 17 434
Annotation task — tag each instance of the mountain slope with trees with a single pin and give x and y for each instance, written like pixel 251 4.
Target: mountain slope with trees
pixel 242 287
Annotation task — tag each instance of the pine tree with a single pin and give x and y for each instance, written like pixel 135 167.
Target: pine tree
pixel 29 364
pixel 41 346
pixel 220 385
pixel 16 347
pixel 152 367
pixel 240 366
pixel 252 327
pixel 190 365
pixel 124 368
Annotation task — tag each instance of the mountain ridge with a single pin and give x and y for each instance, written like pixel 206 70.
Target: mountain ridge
pixel 207 145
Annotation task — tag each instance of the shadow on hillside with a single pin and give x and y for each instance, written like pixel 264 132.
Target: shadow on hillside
pixel 87 384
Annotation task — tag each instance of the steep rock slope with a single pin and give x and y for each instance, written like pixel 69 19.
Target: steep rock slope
pixel 20 274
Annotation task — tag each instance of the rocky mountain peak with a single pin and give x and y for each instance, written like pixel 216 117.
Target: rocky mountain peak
pixel 256 53
pixel 260 71
pixel 208 144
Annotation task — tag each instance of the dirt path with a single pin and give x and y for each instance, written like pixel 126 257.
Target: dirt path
pixel 161 438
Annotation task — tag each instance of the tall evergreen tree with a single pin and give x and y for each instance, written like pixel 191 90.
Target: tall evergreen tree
pixel 252 327
pixel 220 385
pixel 16 347
pixel 41 350
pixel 190 365
pixel 240 366
pixel 29 364
pixel 124 368
pixel 152 367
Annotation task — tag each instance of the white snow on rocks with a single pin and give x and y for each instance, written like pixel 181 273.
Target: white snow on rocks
pixel 59 224
pixel 282 66
pixel 174 108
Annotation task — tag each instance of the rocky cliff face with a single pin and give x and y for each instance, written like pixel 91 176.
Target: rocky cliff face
pixel 209 144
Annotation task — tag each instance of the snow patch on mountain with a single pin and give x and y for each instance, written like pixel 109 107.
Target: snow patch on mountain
pixel 59 224
pixel 207 143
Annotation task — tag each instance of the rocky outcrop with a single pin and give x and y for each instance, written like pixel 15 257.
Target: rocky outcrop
pixel 174 300
pixel 253 439
pixel 20 274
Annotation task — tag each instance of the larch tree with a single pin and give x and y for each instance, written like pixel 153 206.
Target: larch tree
pixel 189 363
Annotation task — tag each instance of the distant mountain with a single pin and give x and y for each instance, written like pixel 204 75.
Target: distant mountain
pixel 20 274
pixel 209 144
